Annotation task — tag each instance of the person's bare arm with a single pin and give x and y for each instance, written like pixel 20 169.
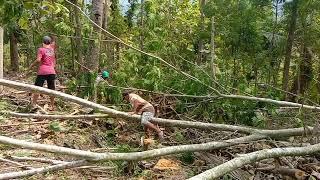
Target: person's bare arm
pixel 33 64
pixel 134 108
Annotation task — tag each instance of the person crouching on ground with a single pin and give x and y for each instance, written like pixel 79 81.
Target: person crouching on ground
pixel 143 108
pixel 46 70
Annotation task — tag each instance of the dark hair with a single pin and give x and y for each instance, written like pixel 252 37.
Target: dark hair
pixel 46 40
pixel 126 93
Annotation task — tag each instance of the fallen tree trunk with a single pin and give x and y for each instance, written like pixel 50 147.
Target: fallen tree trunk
pixel 155 152
pixel 53 161
pixel 249 158
pixel 47 116
pixel 92 156
pixel 31 172
pixel 124 115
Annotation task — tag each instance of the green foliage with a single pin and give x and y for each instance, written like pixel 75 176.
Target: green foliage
pixel 179 136
pixel 55 126
pixel 249 50
pixel 3 105
pixel 123 148
pixel 187 157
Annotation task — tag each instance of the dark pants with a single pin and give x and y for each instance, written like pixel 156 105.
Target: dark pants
pixel 50 78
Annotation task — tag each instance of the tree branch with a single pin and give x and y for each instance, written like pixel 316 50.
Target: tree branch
pixel 47 116
pixel 92 156
pixel 31 172
pixel 42 160
pixel 166 122
pixel 15 163
pixel 249 158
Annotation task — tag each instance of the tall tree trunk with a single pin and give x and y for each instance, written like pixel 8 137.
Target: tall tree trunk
pixel 200 45
pixel 1 54
pixel 142 24
pixel 291 30
pixel 78 40
pixel 94 45
pixel 304 75
pixel 213 65
pixel 105 45
pixel 14 56
pixel 273 62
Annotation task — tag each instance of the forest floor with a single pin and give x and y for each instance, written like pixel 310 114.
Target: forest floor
pixel 117 135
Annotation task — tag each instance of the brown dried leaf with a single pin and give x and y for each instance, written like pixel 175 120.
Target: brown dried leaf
pixel 166 164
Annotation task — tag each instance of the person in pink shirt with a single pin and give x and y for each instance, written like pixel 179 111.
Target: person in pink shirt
pixel 46 71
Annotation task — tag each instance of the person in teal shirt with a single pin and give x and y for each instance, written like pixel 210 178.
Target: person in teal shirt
pixel 103 76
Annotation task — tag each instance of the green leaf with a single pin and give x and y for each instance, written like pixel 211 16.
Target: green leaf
pixel 55 126
pixel 23 23
pixel 28 5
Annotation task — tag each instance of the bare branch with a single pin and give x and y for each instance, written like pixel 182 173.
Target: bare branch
pixel 42 160
pixel 15 163
pixel 31 172
pixel 53 161
pixel 271 101
pixel 249 158
pixel 47 116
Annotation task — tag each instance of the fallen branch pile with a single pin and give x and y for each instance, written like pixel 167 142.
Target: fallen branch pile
pixel 85 157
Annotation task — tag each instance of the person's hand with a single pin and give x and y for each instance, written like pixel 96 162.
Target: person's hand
pixel 28 73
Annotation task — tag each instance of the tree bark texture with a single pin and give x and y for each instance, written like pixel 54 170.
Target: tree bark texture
pixel 290 39
pixel 304 77
pixel 200 44
pixel 14 55
pixel 213 65
pixel 78 34
pixel 249 158
pixel 94 45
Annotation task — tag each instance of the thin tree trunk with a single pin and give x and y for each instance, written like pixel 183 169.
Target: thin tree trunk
pixel 1 55
pixel 78 40
pixel 303 77
pixel 213 65
pixel 273 64
pixel 14 56
pixel 291 30
pixel 72 55
pixel 105 45
pixel 200 45
pixel 142 24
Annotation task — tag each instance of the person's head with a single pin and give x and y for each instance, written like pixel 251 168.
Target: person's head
pixel 47 40
pixel 125 95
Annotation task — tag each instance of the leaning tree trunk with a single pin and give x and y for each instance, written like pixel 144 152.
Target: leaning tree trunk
pixel 94 45
pixel 303 78
pixel 291 30
pixel 14 56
